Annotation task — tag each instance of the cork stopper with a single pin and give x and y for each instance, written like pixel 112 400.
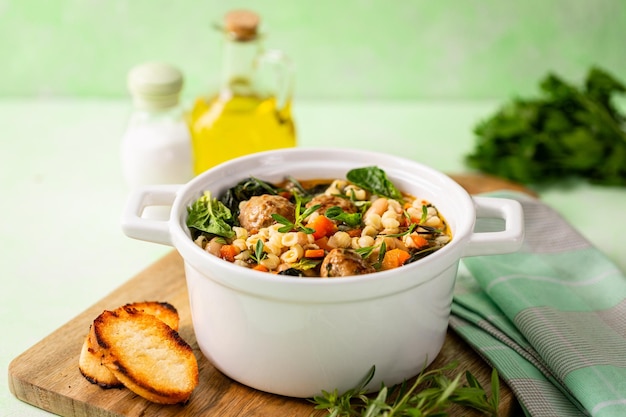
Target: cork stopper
pixel 242 25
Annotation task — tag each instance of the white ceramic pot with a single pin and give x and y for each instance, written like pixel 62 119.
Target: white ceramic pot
pixel 297 336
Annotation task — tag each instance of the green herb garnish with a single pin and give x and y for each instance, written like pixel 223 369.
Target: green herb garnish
pixel 337 213
pixel 305 263
pixel 408 231
pixel 210 216
pixel 374 180
pixel 296 185
pixel 424 214
pixel 259 252
pixel 299 218
pixel 366 251
pixel 431 394
pixel 566 132
pixel 381 255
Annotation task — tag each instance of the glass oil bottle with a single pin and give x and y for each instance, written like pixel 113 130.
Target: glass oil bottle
pixel 252 110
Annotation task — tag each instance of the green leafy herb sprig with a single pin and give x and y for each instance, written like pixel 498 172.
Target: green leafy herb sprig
pixel 337 213
pixel 566 132
pixel 430 395
pixel 297 224
pixel 259 252
pixel 367 251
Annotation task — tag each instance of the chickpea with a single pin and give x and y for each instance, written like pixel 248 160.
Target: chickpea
pixel 214 246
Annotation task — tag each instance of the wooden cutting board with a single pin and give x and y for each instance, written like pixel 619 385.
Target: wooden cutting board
pixel 47 374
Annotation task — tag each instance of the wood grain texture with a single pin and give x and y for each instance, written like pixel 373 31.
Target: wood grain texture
pixel 47 375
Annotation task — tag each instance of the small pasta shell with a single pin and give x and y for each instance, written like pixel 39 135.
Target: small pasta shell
pixel 240 232
pixel 339 240
pixel 290 239
pixel 366 241
pixel 359 193
pixel 433 221
pixel 390 224
pixel 271 262
pixel 395 206
pixel 241 244
pixel 293 254
pixel 373 220
pixel 369 231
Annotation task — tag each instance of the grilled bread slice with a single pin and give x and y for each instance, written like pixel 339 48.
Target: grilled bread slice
pixel 91 366
pixel 159 309
pixel 146 355
pixel 90 361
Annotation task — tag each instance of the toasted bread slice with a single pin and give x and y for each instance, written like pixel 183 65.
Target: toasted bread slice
pixel 161 310
pixel 146 355
pixel 90 359
pixel 91 366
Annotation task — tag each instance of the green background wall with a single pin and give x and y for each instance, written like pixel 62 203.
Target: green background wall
pixel 344 49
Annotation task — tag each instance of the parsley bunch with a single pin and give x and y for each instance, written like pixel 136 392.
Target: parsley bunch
pixel 566 132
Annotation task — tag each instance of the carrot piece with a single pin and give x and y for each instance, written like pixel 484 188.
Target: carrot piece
pixel 259 267
pixel 419 240
pixel 322 243
pixel 314 253
pixel 228 252
pixel 323 226
pixel 394 258
pixel 354 232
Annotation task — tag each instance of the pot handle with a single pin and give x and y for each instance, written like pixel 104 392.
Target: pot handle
pixel 145 228
pixel 502 241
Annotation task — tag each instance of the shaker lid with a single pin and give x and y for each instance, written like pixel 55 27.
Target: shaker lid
pixel 155 85
pixel 242 25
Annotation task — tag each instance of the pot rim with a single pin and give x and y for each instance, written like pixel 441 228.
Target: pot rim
pixel 372 285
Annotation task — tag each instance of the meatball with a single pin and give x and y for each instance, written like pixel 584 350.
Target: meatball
pixel 344 262
pixel 256 213
pixel 328 201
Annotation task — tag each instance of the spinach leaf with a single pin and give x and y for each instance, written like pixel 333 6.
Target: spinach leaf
pixel 374 180
pixel 244 190
pixel 209 215
pixel 292 272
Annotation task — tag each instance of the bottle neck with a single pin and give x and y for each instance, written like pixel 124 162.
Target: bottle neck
pixel 239 66
pixel 140 116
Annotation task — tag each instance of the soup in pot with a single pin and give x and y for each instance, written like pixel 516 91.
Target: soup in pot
pixel 322 228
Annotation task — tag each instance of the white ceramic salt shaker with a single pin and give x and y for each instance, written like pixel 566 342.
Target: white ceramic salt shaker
pixel 156 147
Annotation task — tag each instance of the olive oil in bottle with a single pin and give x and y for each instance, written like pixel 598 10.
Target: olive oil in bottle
pixel 252 110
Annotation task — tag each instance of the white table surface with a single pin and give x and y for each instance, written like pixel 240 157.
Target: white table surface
pixel 62 196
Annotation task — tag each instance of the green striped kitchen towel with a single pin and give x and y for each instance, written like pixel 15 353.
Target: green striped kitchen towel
pixel 550 318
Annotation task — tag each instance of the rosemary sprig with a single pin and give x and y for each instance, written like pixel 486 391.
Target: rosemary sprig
pixel 431 394
pixel 408 231
pixel 367 251
pixel 424 214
